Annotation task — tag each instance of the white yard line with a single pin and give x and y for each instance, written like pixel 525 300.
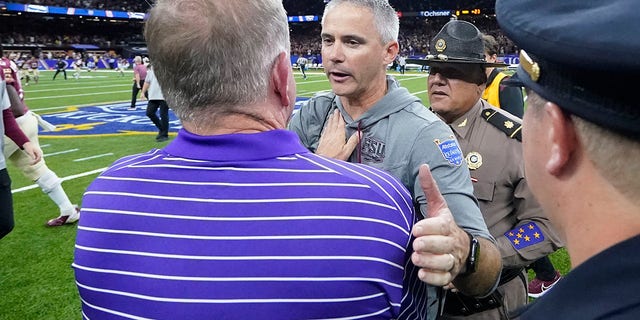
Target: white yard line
pixel 94 157
pixel 78 88
pixel 60 152
pixel 75 176
pixel 77 95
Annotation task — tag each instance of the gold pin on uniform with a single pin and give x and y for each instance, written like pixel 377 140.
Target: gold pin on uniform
pixel 474 160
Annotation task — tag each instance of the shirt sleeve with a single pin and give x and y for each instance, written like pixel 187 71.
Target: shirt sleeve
pixel 537 236
pixel 309 121
pixel 4 100
pixel 12 130
pixel 150 77
pixel 451 175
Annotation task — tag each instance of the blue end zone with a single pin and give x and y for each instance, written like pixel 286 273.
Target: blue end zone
pixel 111 119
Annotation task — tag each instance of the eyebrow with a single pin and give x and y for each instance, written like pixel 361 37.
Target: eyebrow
pixel 345 37
pixel 355 37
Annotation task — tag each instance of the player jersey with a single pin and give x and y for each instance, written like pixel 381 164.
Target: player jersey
pixel 10 74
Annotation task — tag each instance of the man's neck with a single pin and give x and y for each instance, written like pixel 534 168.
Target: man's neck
pixel 488 71
pixel 357 106
pixel 600 218
pixel 235 123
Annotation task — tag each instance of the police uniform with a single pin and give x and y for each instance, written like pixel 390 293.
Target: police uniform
pixel 490 141
pixel 565 63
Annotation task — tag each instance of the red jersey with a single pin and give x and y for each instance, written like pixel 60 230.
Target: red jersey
pixel 9 73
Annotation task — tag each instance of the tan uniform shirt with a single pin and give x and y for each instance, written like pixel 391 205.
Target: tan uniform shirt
pixel 494 157
pixel 496 165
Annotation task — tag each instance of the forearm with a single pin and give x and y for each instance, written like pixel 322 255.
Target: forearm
pixel 483 280
pixel 12 130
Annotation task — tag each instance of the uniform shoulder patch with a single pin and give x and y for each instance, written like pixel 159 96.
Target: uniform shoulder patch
pixel 450 150
pixel 525 235
pixel 510 126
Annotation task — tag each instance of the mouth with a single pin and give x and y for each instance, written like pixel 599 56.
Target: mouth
pixel 438 93
pixel 338 76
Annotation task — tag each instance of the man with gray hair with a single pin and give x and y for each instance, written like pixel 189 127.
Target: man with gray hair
pixel 139 75
pixel 391 129
pixel 235 219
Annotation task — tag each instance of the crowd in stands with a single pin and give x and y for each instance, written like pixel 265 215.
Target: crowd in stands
pixel 57 40
pixel 294 7
pixel 33 30
pixel 414 36
pixel 415 33
pixel 316 7
pixel 119 5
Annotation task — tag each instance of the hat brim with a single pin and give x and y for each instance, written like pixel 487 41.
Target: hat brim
pixel 424 62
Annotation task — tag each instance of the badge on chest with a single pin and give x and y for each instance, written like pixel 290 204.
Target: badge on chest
pixel 474 160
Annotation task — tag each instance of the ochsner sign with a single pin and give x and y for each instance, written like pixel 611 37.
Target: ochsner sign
pixel 436 13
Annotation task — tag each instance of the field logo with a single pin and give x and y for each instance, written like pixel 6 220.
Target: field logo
pixel 110 119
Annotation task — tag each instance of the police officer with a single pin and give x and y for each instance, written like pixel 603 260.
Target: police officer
pixel 490 140
pixel 581 144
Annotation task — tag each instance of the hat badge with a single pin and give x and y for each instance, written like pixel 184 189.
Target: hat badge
pixel 441 45
pixel 529 66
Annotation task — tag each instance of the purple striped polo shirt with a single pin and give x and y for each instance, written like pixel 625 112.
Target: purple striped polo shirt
pixel 242 226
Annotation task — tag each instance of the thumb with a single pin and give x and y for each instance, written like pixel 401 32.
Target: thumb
pixel 351 143
pixel 435 200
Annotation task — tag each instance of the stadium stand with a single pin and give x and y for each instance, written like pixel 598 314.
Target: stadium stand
pixel 60 35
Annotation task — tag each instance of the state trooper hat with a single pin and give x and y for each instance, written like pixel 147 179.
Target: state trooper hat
pixel 581 55
pixel 457 42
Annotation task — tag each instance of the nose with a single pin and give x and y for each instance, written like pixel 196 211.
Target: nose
pixel 334 53
pixel 435 75
pixel 434 78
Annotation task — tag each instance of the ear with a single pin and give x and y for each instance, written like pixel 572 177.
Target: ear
pixel 391 51
pixel 562 139
pixel 280 76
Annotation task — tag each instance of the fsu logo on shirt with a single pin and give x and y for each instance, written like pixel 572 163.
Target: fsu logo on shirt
pixel 372 150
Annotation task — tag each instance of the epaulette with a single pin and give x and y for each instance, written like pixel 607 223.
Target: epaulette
pixel 511 127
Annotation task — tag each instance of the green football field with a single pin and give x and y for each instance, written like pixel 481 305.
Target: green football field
pixel 36 279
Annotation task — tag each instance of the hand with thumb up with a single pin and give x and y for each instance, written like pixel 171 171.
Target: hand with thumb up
pixel 441 248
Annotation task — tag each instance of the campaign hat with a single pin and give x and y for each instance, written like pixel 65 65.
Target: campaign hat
pixel 457 42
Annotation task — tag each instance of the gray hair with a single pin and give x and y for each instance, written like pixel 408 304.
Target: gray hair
pixel 213 56
pixel 385 17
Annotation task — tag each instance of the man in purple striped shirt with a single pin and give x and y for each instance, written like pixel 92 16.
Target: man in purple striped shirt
pixel 235 219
